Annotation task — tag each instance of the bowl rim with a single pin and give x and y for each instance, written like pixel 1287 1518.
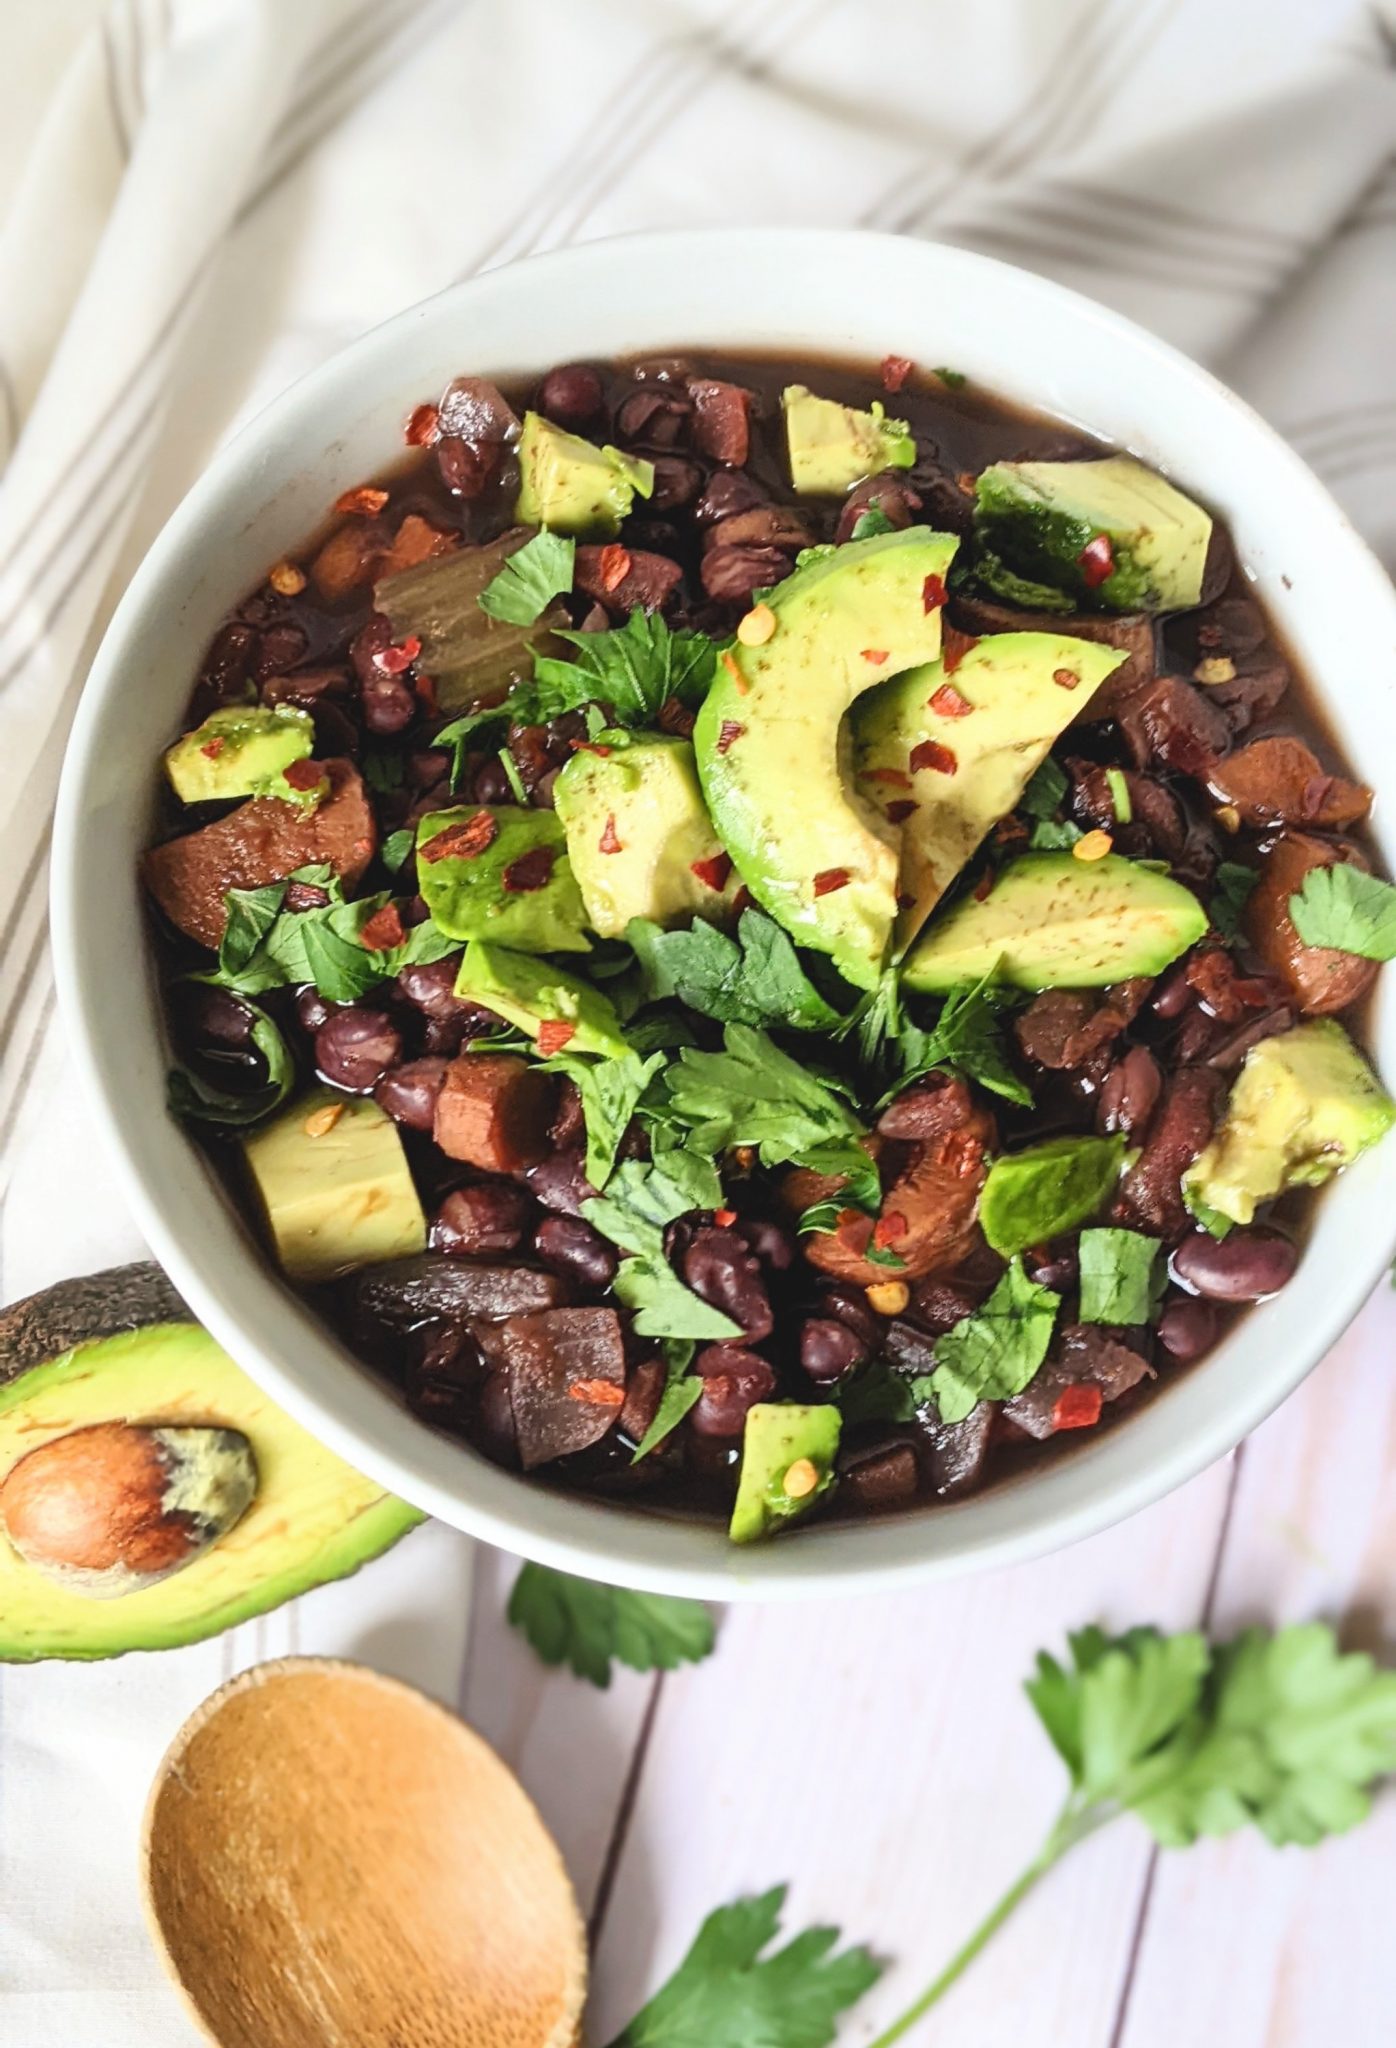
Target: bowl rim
pixel 598 1537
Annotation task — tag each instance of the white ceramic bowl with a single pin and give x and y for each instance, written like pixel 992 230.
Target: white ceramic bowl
pixel 806 291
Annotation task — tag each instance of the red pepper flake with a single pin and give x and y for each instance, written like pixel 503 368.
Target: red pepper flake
pixel 365 499
pixel 948 702
pixel 1077 1407
pixel 983 885
pixel 895 371
pixel 897 813
pixel 892 776
pixel 613 566
pixel 955 650
pixel 1096 561
pixel 739 681
pixel 932 593
pixel 931 754
pixel 554 1033
pixel 304 775
pixel 724 1218
pixel 601 1393
pixel 423 427
pixel 889 1228
pixel 742 900
pixel 1065 678
pixel 829 879
pixel 728 731
pixel 532 870
pixel 461 842
pixel 425 690
pixel 393 660
pixel 713 873
pixel 214 747
pixel 384 930
pixel 609 842
pixel 592 747
pixel 876 655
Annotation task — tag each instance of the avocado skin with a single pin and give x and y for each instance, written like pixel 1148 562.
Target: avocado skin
pixel 83 1311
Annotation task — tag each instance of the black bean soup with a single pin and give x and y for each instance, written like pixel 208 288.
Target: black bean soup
pixel 656 1176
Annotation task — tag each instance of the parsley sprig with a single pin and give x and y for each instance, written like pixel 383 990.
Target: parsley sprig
pixel 1344 907
pixel 531 578
pixel 591 1628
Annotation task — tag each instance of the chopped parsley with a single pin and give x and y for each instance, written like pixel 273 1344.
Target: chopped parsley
pixel 996 1352
pixel 755 978
pixel 1343 907
pixel 531 578
pixel 592 1628
pixel 1121 1280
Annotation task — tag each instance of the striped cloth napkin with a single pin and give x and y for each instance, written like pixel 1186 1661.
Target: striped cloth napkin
pixel 223 192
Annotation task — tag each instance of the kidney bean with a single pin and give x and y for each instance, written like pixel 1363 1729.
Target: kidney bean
pixel 731 574
pixel 772 1244
pixel 829 1349
pixel 569 1245
pixel 1187 1328
pixel 659 417
pixel 487 1216
pixel 354 1048
pixel 312 1010
pixel 372 638
pixel 1173 994
pixel 389 705
pixel 677 481
pixel 849 1305
pixel 409 1093
pixel 227 671
pixel 734 1380
pixel 1246 1265
pixel 218 1019
pixel 1129 1092
pixel 570 394
pixel 720 1269
pixel 560 1182
pixel 467 466
pixel 491 784
pixel 568 1127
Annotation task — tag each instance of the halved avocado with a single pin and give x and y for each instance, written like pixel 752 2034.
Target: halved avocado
pixel 773 756
pixel 121 1346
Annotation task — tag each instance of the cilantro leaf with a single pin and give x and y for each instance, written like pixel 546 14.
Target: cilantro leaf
pixel 251 915
pixel 1053 835
pixel 682 1389
pixel 878 1394
pixel 610 1090
pixel 1342 907
pixel 1114 1713
pixel 397 849
pixel 474 725
pixel 198 1100
pixel 1047 786
pixel 323 947
pixel 752 1093
pixel 635 668
pixel 755 978
pixel 1121 1280
pixel 591 1628
pixel 966 1036
pixel 995 1352
pixel 661 1305
pixel 643 1197
pixel 531 578
pixel 725 1994
pixel 1234 883
pixel 869 524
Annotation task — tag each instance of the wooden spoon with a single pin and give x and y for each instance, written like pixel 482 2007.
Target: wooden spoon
pixel 332 1860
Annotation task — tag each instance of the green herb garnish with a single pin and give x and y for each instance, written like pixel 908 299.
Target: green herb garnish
pixel 1121 1280
pixel 531 578
pixel 755 978
pixel 592 1628
pixel 996 1352
pixel 1342 907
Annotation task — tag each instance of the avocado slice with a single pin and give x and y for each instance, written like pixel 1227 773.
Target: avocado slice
pixel 1110 534
pixel 334 1185
pixel 507 878
pixel 962 747
pixel 120 1346
pixel 571 486
pixel 833 446
pixel 1305 1105
pixel 639 836
pixel 241 750
pixel 774 763
pixel 1052 921
pixel 530 993
pixel 788 1453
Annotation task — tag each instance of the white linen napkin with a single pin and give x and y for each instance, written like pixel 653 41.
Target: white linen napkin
pixel 222 192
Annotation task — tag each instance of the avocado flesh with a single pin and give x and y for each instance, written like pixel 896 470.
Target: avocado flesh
pixel 571 486
pixel 774 762
pixel 1037 517
pixel 529 993
pixel 314 1519
pixel 831 447
pixel 1305 1105
pixel 1052 921
pixel 337 1194
pixel 1019 707
pixel 636 828
pixel 242 750
pixel 470 895
pixel 776 1436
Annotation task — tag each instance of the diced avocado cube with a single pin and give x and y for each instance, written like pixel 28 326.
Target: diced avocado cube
pixel 533 993
pixel 639 836
pixel 947 753
pixel 571 486
pixel 501 872
pixel 772 755
pixel 335 1186
pixel 1305 1105
pixel 788 1453
pixel 1052 921
pixel 243 750
pixel 1110 534
pixel 833 446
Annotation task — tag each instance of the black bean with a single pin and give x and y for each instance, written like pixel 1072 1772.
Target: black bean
pixel 570 1246
pixel 849 1305
pixel 1245 1265
pixel 734 1380
pixel 560 1183
pixel 1173 994
pixel 717 1265
pixel 728 491
pixel 467 466
pixel 388 704
pixel 430 986
pixel 1187 1328
pixel 219 1020
pixel 312 1010
pixel 771 1242
pixel 355 1048
pixel 656 416
pixel 828 1349
pixel 1130 1091
pixel 570 394
pixel 487 1216
pixel 372 638
pixel 677 481
pixel 492 784
pixel 409 1093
